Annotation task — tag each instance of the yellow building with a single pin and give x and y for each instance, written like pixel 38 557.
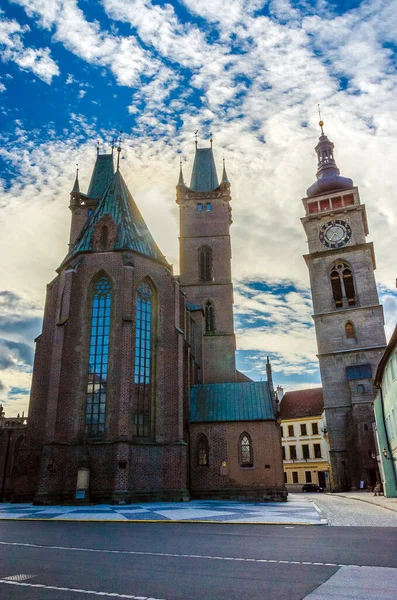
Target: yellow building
pixel 304 439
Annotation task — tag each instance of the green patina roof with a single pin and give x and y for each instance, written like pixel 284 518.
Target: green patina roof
pixel 204 177
pixel 132 234
pixel 101 175
pixel 247 401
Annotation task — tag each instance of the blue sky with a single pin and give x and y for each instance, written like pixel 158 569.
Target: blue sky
pixel 250 71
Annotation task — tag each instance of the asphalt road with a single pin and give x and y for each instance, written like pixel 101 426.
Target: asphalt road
pixel 181 561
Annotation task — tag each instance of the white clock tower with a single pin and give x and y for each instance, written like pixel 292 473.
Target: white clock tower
pixel 347 315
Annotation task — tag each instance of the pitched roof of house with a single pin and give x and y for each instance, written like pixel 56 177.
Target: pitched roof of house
pixel 248 401
pixel 302 403
pixel 204 176
pixel 132 231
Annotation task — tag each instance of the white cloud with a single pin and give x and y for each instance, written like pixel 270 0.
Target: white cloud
pixel 37 60
pixel 2 87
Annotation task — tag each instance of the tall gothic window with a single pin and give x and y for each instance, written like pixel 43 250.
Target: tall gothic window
pixel 343 285
pixel 245 451
pixel 209 316
pixel 99 358
pixel 205 263
pixel 143 361
pixel 202 451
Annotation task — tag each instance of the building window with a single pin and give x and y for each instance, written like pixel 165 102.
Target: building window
pixel 245 447
pixel 99 358
pixel 290 430
pixel 305 451
pixel 143 360
pixel 208 206
pixel 205 263
pixel 359 372
pixel 361 388
pixel 294 476
pixel 292 452
pixel 285 477
pixel 283 452
pixel 90 211
pixel 199 207
pixel 209 316
pixel 202 451
pixel 104 237
pixel 317 450
pixel 342 285
pixel 308 476
pixel 315 428
pixel 350 331
pixel 303 429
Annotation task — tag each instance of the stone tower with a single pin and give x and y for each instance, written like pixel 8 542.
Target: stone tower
pixel 347 315
pixel 205 262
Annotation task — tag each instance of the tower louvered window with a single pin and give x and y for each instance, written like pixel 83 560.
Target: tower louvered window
pixel 343 285
pixel 99 358
pixel 209 316
pixel 143 361
pixel 205 263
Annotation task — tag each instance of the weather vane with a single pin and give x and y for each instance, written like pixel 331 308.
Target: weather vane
pixel 321 122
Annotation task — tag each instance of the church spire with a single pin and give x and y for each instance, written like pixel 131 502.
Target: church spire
pixel 204 176
pixel 224 174
pixel 76 187
pixel 181 181
pixel 328 178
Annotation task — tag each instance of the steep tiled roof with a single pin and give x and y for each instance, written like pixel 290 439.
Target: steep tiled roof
pixel 231 402
pixel 132 231
pixel 204 177
pixel 101 175
pixel 302 403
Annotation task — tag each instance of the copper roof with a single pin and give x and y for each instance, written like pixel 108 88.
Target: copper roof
pixel 302 403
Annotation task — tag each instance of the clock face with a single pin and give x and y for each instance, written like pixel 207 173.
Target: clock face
pixel 335 234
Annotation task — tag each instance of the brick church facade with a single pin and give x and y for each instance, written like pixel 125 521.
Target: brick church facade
pixel 135 393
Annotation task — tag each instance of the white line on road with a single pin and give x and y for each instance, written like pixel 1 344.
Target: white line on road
pixel 169 554
pixel 78 591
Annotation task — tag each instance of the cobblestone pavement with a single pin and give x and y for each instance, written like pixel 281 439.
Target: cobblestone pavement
pixel 367 496
pixel 348 510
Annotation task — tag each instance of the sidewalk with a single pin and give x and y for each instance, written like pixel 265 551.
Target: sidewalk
pixel 368 496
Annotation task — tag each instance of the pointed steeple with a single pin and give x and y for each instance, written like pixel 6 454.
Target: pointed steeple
pixel 328 178
pixel 181 181
pixel 132 231
pixel 76 187
pixel 204 176
pixel 224 174
pixel 101 175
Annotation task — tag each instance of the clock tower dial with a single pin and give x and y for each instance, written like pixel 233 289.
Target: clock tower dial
pixel 335 234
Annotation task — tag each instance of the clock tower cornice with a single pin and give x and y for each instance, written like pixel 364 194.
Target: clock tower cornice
pixel 337 252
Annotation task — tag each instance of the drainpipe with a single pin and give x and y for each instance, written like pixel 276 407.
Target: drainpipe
pixel 3 485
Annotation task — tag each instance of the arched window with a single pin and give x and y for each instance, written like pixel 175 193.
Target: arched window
pixel 99 358
pixel 143 360
pixel 205 263
pixel 209 316
pixel 245 451
pixel 350 331
pixel 104 237
pixel 342 285
pixel 202 451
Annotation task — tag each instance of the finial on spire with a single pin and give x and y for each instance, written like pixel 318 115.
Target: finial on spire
pixel 211 139
pixel 97 147
pixel 196 137
pixel 113 145
pixel 321 122
pixel 118 151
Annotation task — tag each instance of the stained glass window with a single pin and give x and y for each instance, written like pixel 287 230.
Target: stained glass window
pixel 143 354
pixel 99 358
pixel 246 459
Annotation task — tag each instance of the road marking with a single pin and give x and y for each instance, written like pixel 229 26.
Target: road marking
pixel 77 591
pixel 20 577
pixel 170 554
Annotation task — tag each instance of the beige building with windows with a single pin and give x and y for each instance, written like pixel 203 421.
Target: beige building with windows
pixel 304 439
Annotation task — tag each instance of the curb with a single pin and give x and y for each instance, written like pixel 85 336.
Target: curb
pixel 366 502
pixel 323 519
pixel 285 523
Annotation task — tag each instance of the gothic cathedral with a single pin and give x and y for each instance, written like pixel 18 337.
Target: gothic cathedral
pixel 347 315
pixel 135 393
